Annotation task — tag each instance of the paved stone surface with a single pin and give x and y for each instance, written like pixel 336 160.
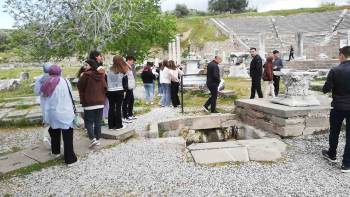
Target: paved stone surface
pixel 264 149
pixel 213 154
pixel 14 161
pixel 118 135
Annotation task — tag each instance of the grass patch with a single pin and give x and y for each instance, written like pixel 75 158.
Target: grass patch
pixel 23 107
pixel 201 31
pixel 19 123
pixel 29 169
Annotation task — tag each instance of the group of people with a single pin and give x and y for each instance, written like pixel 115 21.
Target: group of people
pixel 258 71
pixel 168 76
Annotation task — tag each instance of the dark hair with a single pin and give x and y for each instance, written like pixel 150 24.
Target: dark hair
pixel 93 54
pixel 172 65
pixel 253 48
pixel 130 57
pixel 275 52
pixel 165 64
pixel 345 51
pixel 93 64
pixel 150 64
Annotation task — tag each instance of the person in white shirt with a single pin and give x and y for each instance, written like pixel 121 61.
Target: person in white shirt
pixel 165 80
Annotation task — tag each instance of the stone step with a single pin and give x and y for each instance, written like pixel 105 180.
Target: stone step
pixel 121 135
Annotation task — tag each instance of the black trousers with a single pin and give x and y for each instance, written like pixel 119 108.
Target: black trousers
pixel 291 55
pixel 174 93
pixel 115 99
pixel 93 119
pixel 55 134
pixel 256 87
pixel 212 99
pixel 336 119
pixel 128 104
pixel 276 84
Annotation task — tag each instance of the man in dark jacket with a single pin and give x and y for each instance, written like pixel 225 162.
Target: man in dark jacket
pixel 255 73
pixel 277 66
pixel 213 81
pixel 338 82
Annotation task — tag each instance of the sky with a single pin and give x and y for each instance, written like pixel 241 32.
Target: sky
pixel 7 22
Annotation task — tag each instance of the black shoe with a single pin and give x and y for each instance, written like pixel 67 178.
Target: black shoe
pixel 329 158
pixel 345 169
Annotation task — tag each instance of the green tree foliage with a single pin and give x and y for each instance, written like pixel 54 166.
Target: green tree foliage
pixel 231 6
pixel 59 29
pixel 181 10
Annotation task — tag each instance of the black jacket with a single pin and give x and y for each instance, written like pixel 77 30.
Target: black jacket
pixel 213 74
pixel 256 67
pixel 147 76
pixel 338 81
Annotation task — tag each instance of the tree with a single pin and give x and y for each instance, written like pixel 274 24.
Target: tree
pixel 231 6
pixel 181 10
pixel 59 29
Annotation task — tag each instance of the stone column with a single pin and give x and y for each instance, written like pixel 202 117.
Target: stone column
pixel 170 51
pixel 300 44
pixel 173 44
pixel 262 49
pixel 178 49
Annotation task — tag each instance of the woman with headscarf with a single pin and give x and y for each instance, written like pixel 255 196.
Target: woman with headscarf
pixel 38 83
pixel 59 113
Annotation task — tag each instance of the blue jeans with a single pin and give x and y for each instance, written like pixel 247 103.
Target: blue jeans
pixel 149 89
pixel 93 120
pixel 166 97
pixel 160 88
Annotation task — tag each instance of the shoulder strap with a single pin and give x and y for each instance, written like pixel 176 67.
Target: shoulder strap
pixel 71 97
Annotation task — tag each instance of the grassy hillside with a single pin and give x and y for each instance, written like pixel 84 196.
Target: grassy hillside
pixel 202 32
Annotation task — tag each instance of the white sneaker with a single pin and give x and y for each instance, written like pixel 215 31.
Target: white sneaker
pixel 47 143
pixel 126 120
pixel 98 143
pixel 73 164
pixel 56 156
pixel 93 142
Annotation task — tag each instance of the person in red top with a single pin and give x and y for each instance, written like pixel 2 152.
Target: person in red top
pixel 268 77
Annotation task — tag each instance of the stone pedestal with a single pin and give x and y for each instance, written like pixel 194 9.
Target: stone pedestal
pixel 285 121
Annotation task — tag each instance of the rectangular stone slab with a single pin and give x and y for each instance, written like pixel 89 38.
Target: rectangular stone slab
pixel 39 153
pixel 14 161
pixel 263 105
pixel 213 145
pixel 118 135
pixel 221 155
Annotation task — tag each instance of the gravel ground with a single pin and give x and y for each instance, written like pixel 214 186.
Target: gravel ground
pixel 147 167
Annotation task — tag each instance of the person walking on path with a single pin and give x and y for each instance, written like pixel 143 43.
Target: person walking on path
pixel 255 73
pixel 277 66
pixel 176 74
pixel 115 92
pixel 59 113
pixel 291 53
pixel 92 91
pixel 128 102
pixel 213 81
pixel 38 83
pixel 338 82
pixel 165 80
pixel 268 77
pixel 148 78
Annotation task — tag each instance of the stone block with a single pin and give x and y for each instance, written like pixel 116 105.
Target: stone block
pixel 264 149
pixel 290 131
pixel 230 123
pixel 170 125
pixel 38 153
pixel 287 121
pixel 173 133
pixel 219 152
pixel 206 122
pixel 16 114
pixel 14 161
pixel 153 130
pixel 34 117
pixel 4 112
pixel 255 114
pixel 317 122
pixel 121 135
